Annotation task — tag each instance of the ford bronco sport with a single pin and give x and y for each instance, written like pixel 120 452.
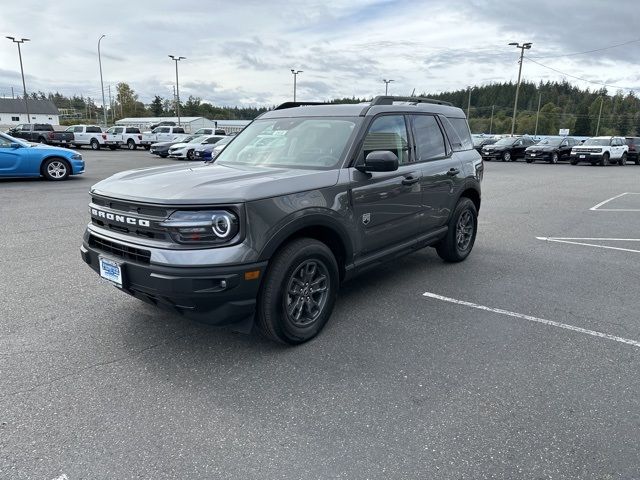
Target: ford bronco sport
pixel 305 197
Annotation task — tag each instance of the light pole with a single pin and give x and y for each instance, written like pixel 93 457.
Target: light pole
pixel 386 85
pixel 24 85
pixel 177 59
pixel 104 104
pixel 295 77
pixel 523 47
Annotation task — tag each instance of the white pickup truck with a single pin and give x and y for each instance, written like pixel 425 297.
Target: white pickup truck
pixel 90 135
pixel 121 136
pixel 160 134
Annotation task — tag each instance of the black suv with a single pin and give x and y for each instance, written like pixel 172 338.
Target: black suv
pixel 634 149
pixel 305 197
pixel 507 149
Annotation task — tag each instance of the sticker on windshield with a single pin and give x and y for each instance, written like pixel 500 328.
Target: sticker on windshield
pixel 279 132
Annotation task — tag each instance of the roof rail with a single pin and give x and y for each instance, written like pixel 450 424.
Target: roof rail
pixel 388 100
pixel 286 105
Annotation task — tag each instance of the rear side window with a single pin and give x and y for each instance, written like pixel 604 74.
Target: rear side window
pixel 177 130
pixel 429 139
pixel 457 130
pixel 94 130
pixel 118 130
pixel 44 127
pixel 133 130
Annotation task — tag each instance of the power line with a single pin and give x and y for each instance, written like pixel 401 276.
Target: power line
pixel 589 51
pixel 580 78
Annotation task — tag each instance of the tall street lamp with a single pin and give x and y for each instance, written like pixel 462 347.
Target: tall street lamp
pixel 523 47
pixel 24 85
pixel 104 104
pixel 295 77
pixel 177 59
pixel 386 85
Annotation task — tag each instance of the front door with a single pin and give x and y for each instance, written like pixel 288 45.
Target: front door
pixel 10 158
pixel 387 205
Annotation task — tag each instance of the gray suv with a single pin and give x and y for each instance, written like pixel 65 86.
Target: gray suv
pixel 304 198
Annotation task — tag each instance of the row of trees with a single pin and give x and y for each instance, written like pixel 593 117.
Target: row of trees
pixel 562 105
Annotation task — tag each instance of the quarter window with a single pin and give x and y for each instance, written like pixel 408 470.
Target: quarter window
pixel 388 133
pixel 429 139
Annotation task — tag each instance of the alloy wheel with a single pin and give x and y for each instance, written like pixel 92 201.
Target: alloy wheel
pixel 306 293
pixel 57 170
pixel 464 230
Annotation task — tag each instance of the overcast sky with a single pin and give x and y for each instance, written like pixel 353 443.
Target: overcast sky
pixel 241 52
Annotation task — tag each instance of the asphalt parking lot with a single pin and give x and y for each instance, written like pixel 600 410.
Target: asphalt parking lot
pixel 535 376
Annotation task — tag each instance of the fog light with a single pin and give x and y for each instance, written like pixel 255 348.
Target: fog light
pixel 253 275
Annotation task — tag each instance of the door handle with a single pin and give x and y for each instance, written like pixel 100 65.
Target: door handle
pixel 453 172
pixel 410 180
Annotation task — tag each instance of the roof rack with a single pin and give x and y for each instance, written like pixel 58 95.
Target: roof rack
pixel 388 100
pixel 286 105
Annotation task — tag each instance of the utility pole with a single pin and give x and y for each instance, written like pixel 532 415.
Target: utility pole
pixel 104 104
pixel 386 86
pixel 535 134
pixel 295 78
pixel 24 85
pixel 177 59
pixel 523 47
pixel 491 121
pixel 12 95
pixel 111 105
pixel 599 115
pixel 469 103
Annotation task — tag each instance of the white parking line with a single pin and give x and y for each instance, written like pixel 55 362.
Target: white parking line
pixel 573 241
pixel 597 207
pixel 530 318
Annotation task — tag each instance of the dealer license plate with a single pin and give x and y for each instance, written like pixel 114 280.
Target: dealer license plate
pixel 111 271
pixel 581 156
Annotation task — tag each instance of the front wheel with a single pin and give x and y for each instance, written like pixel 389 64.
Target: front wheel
pixel 573 161
pixel 604 161
pixel 299 292
pixel 56 169
pixel 190 155
pixel 623 160
pixel 461 235
pixel 554 158
pixel 506 157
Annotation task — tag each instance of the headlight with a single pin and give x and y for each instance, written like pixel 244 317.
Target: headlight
pixel 212 226
pixel 76 156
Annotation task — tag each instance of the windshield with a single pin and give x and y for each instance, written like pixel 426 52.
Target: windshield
pixel 304 142
pixel 601 142
pixel 6 140
pixel 506 141
pixel 198 139
pixel 552 142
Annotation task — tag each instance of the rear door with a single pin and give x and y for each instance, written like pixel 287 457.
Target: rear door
pixel 387 205
pixel 441 169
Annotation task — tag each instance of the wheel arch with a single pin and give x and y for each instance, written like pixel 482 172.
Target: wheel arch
pixel 55 157
pixel 472 193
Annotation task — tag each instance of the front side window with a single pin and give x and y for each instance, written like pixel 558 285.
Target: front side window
pixel 301 142
pixel 77 129
pixel 429 139
pixel 26 128
pixel 388 133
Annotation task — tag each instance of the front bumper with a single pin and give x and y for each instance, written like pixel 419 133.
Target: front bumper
pixel 178 154
pixel 77 166
pixel 217 295
pixel 537 155
pixel 586 157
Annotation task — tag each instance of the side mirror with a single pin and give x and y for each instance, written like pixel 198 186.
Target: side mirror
pixel 15 145
pixel 379 161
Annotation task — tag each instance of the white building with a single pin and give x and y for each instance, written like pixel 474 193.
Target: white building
pixel 13 112
pixel 190 124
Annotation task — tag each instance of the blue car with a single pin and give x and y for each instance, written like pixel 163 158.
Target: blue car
pixel 23 159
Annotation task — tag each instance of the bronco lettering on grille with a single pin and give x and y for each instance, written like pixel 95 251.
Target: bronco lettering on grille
pixel 120 218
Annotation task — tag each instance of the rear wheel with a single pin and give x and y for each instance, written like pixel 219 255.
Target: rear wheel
pixel 42 140
pixel 131 145
pixel 95 145
pixel 461 235
pixel 56 169
pixel 299 292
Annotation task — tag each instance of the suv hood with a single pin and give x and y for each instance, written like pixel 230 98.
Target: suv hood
pixel 211 183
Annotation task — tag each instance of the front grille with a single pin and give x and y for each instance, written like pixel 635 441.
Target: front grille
pixel 153 214
pixel 123 251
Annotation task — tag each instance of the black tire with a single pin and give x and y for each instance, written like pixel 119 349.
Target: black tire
pixel 637 159
pixel 463 227
pixel 286 304
pixel 42 140
pixel 131 145
pixel 506 157
pixel 573 162
pixel 604 161
pixel 163 155
pixel 147 147
pixel 530 160
pixel 75 145
pixel 112 147
pixel 95 145
pixel 554 158
pixel 190 155
pixel 55 169
pixel 623 160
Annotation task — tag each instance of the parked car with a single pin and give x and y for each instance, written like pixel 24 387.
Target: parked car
pixel 34 132
pixel 508 149
pixel 90 135
pixel 187 150
pixel 162 124
pixel 205 151
pixel 601 151
pixel 162 148
pixel 480 142
pixel 551 149
pixel 209 131
pixel 19 158
pixel 266 239
pixel 121 136
pixel 634 149
pixel 160 134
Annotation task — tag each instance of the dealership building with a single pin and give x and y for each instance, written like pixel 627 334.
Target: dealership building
pixel 13 112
